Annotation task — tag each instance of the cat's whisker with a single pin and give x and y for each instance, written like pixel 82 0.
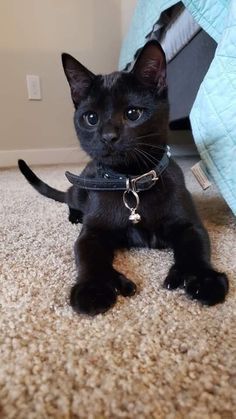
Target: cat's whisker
pixel 136 156
pixel 160 176
pixel 152 134
pixel 150 146
pixel 151 160
pixel 156 160
pixel 146 156
pixel 140 156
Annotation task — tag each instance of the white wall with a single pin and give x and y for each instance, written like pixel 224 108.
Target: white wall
pixel 33 33
pixel 127 9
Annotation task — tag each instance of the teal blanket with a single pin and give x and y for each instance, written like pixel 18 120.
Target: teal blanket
pixel 213 116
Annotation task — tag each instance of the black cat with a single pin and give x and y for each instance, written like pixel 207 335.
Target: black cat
pixel 121 120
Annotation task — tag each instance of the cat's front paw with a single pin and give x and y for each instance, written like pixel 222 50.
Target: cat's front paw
pixel 208 286
pixel 174 279
pixel 92 297
pixel 124 286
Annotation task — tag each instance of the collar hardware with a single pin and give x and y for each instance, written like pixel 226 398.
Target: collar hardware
pixel 149 175
pixel 132 189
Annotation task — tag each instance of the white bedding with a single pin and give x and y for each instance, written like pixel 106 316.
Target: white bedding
pixel 178 33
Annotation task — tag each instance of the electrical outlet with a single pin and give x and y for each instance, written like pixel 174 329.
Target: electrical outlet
pixel 33 87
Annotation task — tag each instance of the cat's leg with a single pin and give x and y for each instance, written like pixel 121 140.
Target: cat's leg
pixel 98 283
pixel 192 269
pixel 75 216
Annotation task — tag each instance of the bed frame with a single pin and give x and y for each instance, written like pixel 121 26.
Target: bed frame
pixel 185 73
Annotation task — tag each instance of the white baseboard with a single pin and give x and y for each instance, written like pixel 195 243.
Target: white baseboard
pixel 8 158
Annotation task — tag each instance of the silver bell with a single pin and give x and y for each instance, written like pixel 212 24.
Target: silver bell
pixel 135 217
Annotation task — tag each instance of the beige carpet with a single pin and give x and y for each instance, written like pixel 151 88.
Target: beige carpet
pixel 155 355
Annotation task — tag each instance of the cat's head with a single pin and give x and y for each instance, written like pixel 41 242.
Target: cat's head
pixel 121 118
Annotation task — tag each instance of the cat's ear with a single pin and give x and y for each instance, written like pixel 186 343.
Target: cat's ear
pixel 78 76
pixel 150 66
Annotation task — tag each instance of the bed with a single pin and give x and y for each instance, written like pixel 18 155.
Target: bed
pixel 199 39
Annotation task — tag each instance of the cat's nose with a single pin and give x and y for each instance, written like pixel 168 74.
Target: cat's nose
pixel 109 137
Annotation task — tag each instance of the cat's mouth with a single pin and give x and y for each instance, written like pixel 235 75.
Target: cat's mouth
pixel 110 151
pixel 112 154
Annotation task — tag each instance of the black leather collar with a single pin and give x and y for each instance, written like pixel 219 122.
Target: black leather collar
pixel 109 180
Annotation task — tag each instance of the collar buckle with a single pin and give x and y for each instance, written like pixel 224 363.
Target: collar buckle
pixel 152 175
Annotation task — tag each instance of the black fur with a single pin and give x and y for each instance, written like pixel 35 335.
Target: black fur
pixel 168 215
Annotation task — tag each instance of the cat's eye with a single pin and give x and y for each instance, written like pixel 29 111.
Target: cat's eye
pixel 91 118
pixel 133 114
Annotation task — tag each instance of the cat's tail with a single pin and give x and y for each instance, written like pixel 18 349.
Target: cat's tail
pixel 39 185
